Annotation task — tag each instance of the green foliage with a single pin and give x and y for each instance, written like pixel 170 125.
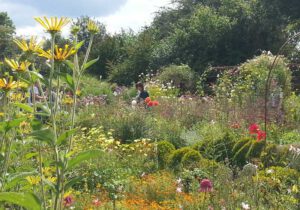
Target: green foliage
pixel 249 85
pixel 136 62
pixel 246 149
pixel 180 76
pixel 274 155
pixel 191 159
pixel 292 109
pixel 95 87
pixel 27 200
pixel 175 158
pixel 219 149
pixel 164 148
pixel 7 30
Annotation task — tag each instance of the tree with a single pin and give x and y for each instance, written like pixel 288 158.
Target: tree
pixel 7 30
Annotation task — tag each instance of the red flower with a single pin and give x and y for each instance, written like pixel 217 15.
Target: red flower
pixel 155 103
pixel 150 103
pixel 261 135
pixel 253 128
pixel 206 185
pixel 148 99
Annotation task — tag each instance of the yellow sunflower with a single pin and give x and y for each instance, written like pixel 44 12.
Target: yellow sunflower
pixel 53 24
pixel 7 85
pixel 32 46
pixel 93 27
pixel 60 54
pixel 16 66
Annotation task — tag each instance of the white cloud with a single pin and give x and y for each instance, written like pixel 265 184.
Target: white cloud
pixel 135 14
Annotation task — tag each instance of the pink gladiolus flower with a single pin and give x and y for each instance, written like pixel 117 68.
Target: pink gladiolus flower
pixel 261 135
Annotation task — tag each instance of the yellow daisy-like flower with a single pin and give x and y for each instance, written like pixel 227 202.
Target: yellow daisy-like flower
pixel 93 27
pixel 1 114
pixel 33 180
pixel 52 179
pixel 60 54
pixel 53 24
pixel 32 46
pixel 8 85
pixel 16 66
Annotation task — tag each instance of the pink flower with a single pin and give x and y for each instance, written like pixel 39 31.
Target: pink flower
pixel 253 128
pixel 96 202
pixel 206 185
pixel 68 201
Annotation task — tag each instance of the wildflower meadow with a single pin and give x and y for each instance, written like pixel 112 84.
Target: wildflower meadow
pixel 183 133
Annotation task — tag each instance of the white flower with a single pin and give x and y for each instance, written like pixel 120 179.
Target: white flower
pixel 270 171
pixel 134 103
pixel 179 181
pixel 245 206
pixel 178 189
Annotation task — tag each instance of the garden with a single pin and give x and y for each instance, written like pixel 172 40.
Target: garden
pixel 222 139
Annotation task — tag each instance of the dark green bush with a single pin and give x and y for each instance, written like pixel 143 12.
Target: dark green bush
pixel 176 156
pixel 274 155
pixel 191 159
pixel 164 148
pixel 246 149
pixel 219 149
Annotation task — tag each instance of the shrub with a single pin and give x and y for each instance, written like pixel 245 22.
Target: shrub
pixel 164 148
pixel 249 85
pixel 161 128
pixel 191 159
pixel 93 86
pixel 292 109
pixel 274 155
pixel 181 76
pixel 219 149
pixel 175 158
pixel 246 149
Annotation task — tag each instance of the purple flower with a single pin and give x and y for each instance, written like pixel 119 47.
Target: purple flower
pixel 206 185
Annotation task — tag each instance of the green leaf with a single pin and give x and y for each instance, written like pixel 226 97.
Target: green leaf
pixel 31 155
pixel 86 155
pixel 90 63
pixel 70 64
pixel 69 80
pixel 79 45
pixel 16 179
pixel 36 124
pixel 35 76
pixel 72 181
pixel 63 137
pixel 26 200
pixel 25 107
pixel 8 125
pixel 45 135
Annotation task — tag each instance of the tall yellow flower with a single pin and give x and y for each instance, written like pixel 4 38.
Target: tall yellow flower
pixel 33 180
pixel 93 27
pixel 60 54
pixel 53 24
pixel 17 66
pixel 8 85
pixel 32 46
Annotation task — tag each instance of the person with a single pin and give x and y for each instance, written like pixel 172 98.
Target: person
pixel 34 94
pixel 142 93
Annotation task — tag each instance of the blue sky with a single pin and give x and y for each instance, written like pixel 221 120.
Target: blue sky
pixel 115 14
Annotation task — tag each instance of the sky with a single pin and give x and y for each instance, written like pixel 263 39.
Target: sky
pixel 115 14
